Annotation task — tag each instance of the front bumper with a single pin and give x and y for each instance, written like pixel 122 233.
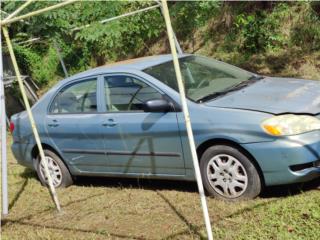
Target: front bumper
pixel 288 160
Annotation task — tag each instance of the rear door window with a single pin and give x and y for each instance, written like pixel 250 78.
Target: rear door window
pixel 80 97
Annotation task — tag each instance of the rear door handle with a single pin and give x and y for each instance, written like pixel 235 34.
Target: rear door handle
pixel 109 123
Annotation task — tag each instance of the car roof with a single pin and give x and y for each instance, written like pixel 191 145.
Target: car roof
pixel 133 64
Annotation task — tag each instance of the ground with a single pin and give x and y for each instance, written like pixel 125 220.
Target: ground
pixel 104 208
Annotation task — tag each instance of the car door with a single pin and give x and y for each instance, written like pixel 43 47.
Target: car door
pixel 139 142
pixel 74 126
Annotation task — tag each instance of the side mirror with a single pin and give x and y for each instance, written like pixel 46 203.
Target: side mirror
pixel 157 105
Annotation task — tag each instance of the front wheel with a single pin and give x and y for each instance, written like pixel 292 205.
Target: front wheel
pixel 59 173
pixel 229 174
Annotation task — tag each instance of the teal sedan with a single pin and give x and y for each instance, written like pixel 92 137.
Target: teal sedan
pixel 125 120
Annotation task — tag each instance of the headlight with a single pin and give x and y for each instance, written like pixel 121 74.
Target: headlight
pixel 290 124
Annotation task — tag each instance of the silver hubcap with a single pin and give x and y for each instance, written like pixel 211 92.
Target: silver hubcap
pixel 227 176
pixel 54 170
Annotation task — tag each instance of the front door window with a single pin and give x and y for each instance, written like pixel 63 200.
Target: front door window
pixel 125 93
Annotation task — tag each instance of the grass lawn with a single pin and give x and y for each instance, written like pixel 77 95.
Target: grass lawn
pixel 103 208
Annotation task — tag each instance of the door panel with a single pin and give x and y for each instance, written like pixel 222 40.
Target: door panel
pixel 139 142
pixel 79 139
pixel 147 143
pixel 75 127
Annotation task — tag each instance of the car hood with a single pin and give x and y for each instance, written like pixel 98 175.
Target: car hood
pixel 274 95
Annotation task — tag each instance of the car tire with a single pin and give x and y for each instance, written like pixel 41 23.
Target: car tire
pixel 228 174
pixel 62 177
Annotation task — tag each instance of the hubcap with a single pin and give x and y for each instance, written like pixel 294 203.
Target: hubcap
pixel 54 171
pixel 227 176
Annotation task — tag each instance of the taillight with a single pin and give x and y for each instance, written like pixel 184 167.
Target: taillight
pixel 11 127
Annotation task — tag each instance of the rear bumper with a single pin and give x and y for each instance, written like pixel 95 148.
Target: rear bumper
pixel 289 159
pixel 22 153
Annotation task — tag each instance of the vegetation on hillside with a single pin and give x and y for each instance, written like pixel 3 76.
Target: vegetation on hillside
pixel 280 38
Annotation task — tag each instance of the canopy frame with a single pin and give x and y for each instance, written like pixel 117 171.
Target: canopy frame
pixel 174 46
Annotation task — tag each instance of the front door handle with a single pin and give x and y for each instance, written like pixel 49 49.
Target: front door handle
pixel 54 123
pixel 109 123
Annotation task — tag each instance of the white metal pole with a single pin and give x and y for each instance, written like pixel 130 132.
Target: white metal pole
pixel 37 12
pixel 56 46
pixel 4 168
pixel 118 17
pixel 32 122
pixel 179 49
pixel 4 173
pixel 19 9
pixel 26 41
pixel 187 118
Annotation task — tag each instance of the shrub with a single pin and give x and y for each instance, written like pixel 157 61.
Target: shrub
pixel 307 32
pixel 258 32
pixel 42 68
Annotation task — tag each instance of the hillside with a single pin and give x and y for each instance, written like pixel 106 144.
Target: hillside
pixel 281 39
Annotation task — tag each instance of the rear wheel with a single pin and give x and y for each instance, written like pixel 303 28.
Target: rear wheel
pixel 59 173
pixel 229 174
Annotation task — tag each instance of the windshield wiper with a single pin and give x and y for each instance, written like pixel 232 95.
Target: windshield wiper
pixel 232 88
pixel 256 77
pixel 210 96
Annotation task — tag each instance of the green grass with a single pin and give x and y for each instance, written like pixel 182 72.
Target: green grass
pixel 105 208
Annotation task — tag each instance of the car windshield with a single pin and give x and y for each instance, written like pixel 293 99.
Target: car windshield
pixel 204 78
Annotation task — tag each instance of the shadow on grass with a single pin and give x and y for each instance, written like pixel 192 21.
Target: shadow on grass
pixel 18 194
pixel 216 221
pixel 193 228
pixel 183 186
pixel 290 190
pixel 28 173
pixel 102 232
pixel 137 183
pixel 51 208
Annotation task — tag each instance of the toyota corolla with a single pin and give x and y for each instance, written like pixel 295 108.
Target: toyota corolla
pixel 125 120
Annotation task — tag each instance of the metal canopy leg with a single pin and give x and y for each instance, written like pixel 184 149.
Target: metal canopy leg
pixel 56 46
pixel 4 169
pixel 4 174
pixel 178 47
pixel 187 119
pixel 32 122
